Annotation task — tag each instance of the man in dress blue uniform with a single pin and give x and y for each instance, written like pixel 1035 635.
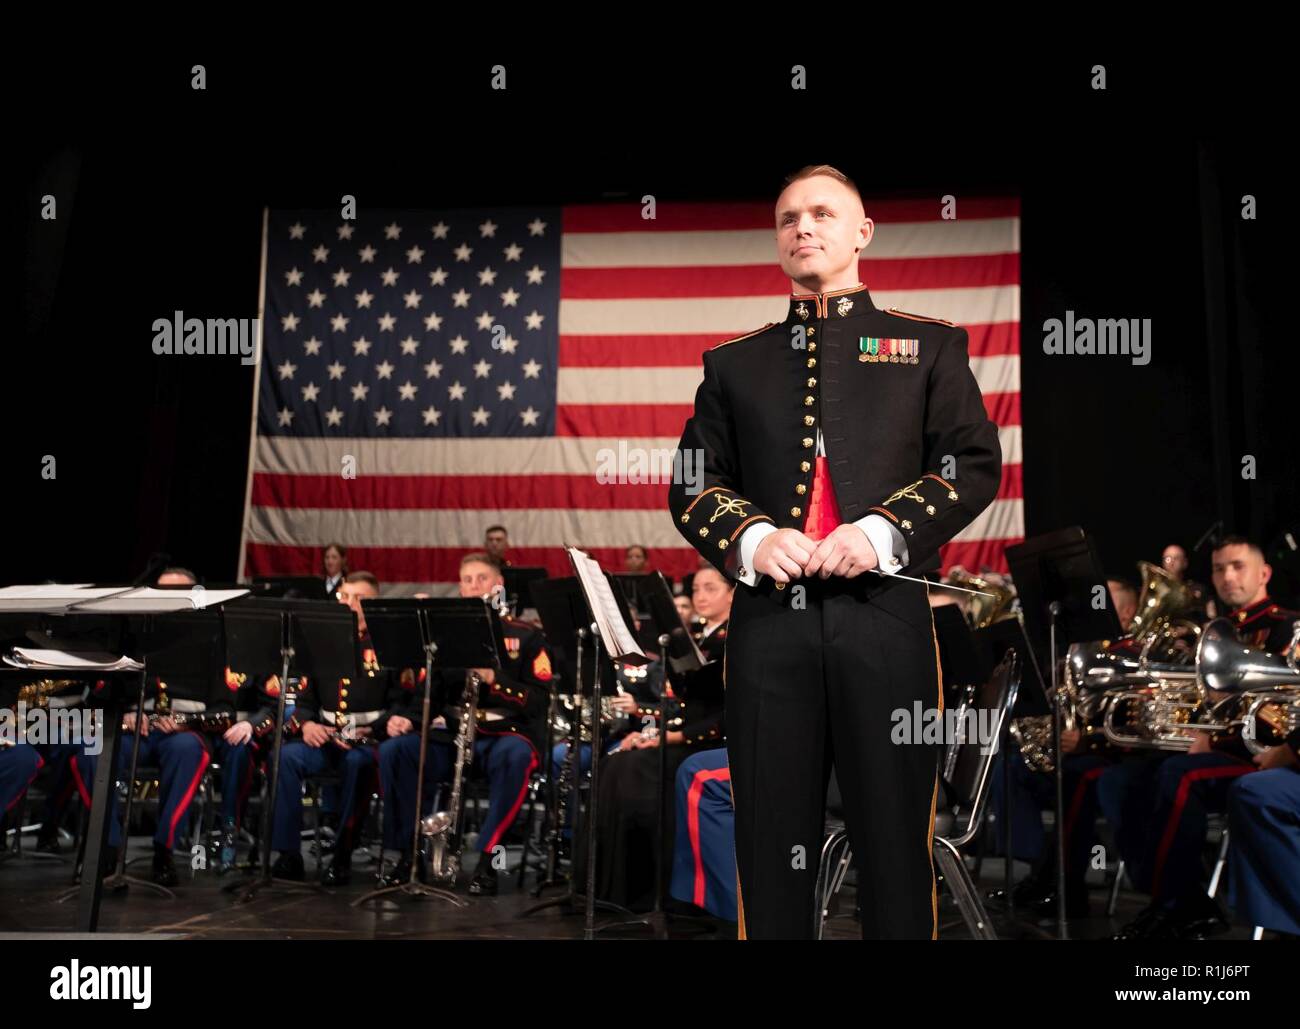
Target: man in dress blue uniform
pixel 1184 789
pixel 842 441
pixel 1264 841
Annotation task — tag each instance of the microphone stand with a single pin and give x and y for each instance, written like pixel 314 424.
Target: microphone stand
pixel 1063 929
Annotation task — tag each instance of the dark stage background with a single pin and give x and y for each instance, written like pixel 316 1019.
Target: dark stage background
pixel 1131 208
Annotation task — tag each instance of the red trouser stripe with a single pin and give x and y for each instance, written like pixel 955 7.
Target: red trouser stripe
pixel 693 821
pixel 1180 801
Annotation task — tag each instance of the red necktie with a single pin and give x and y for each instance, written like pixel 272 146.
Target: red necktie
pixel 823 513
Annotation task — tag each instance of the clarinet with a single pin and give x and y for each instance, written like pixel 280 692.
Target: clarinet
pixel 442 829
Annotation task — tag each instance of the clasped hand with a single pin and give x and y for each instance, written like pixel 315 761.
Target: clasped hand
pixel 788 554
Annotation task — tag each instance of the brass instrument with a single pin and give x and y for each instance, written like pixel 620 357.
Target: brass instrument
pixel 1270 717
pixel 983 611
pixel 441 830
pixel 1160 623
pixel 612 720
pixel 35 696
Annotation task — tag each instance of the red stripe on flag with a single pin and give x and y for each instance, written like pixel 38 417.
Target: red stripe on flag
pixel 714 217
pixel 709 282
pixel 626 420
pixel 442 564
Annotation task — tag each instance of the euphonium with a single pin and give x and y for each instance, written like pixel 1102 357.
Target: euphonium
pixel 983 611
pixel 1161 604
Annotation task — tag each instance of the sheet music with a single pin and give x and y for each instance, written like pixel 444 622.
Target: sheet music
pixel 38 659
pixel 614 632
pixel 52 598
pixel 150 600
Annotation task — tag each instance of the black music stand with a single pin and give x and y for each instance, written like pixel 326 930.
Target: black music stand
pixel 564 615
pixel 519 582
pixel 1056 576
pixel 459 633
pixel 313 638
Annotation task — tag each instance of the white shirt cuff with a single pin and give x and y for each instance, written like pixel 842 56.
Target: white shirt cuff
pixel 891 548
pixel 749 541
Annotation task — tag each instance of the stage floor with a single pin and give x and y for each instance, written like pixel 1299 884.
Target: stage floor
pixel 30 887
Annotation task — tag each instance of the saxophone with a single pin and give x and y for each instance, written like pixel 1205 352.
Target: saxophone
pixel 441 830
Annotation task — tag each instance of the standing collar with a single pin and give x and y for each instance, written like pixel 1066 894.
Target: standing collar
pixel 839 303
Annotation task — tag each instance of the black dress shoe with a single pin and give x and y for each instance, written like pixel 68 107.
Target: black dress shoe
pixel 164 869
pixel 1076 905
pixel 48 841
pixel 289 866
pixel 1154 922
pixel 484 882
pixel 339 872
pixel 1200 917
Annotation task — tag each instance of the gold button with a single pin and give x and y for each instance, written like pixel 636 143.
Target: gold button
pixel 343 705
pixel 929 509
pixel 804 466
pixel 812 383
pixel 685 518
pixel 812 346
pixel 809 401
pixel 722 543
pixel 906 524
pixel 780 585
pixel 812 362
pixel 801 489
pixel 704 531
pixel 807 442
pixel 812 330
pixel 952 495
pixel 796 511
pixel 808 419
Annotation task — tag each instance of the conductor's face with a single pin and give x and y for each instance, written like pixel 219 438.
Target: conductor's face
pixel 478 579
pixel 820 228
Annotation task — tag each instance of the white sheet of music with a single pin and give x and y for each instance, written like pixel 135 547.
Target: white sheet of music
pixel 614 633
pixel 150 600
pixel 52 598
pixel 38 659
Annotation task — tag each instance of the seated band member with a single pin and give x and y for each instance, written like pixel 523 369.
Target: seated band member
pixel 1185 788
pixel 704 853
pixel 510 726
pixel 19 764
pixel 1264 841
pixel 630 787
pixel 335 720
pixel 169 742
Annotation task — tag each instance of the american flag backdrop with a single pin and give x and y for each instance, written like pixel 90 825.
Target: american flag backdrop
pixel 425 374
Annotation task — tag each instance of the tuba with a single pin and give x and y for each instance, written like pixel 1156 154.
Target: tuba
pixel 36 696
pixel 440 831
pixel 1162 604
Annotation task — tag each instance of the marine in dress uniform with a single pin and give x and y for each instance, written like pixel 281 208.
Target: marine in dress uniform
pixel 840 413
pixel 630 787
pixel 181 756
pixel 704 852
pixel 1179 793
pixel 1264 842
pixel 353 712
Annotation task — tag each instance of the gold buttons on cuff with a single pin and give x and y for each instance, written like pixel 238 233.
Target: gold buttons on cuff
pixel 804 466
pixel 929 509
pixel 722 543
pixel 704 530
pixel 796 511
pixel 812 330
pixel 807 442
pixel 800 488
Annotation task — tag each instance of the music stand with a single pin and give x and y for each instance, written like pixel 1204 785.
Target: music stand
pixel 1056 576
pixel 564 615
pixel 170 644
pixel 461 633
pixel 519 584
pixel 312 638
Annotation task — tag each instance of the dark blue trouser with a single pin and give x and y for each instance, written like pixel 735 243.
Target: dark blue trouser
pixel 508 760
pixel 18 767
pixel 1264 852
pixel 236 760
pixel 704 848
pixel 1126 795
pixel 297 762
pixel 180 758
pixel 399 765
